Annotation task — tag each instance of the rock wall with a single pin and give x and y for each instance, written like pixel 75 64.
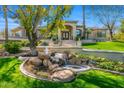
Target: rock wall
pixel 60 49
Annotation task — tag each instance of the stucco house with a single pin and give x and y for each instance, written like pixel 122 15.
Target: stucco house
pixel 71 31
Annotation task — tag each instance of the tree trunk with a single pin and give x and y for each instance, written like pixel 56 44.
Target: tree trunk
pixel 87 36
pixel 111 35
pixel 32 37
pixel 6 30
pixel 6 23
pixel 34 52
pixel 84 26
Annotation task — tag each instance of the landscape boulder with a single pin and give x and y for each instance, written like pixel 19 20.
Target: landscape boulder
pixel 6 54
pixel 35 61
pixel 64 75
pixel 53 66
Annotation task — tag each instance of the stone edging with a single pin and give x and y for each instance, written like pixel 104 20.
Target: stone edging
pixel 109 51
pixel 26 73
pixel 114 72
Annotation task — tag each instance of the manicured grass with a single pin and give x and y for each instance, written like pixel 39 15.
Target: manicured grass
pixel 10 76
pixel 115 46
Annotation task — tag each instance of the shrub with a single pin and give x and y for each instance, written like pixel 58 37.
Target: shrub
pixel 77 38
pixel 105 63
pixel 112 66
pixel 12 46
pixel 45 44
pixel 119 36
pixel 24 43
pixel 55 40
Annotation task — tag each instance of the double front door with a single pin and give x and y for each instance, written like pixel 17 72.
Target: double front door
pixel 65 35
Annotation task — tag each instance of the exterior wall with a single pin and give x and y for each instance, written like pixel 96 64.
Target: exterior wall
pixel 98 34
pixel 23 34
pixel 19 34
pixel 73 33
pixel 94 34
pixel 80 28
pixel 60 49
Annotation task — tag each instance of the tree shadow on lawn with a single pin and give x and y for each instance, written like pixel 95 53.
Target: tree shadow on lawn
pixel 7 74
pixel 89 44
pixel 5 61
pixel 46 84
pixel 102 81
pixel 5 77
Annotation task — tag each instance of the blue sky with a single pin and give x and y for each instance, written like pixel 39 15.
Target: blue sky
pixel 76 15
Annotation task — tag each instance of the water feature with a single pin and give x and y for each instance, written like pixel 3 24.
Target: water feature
pixel 52 66
pixel 76 68
pixel 46 51
pixel 63 56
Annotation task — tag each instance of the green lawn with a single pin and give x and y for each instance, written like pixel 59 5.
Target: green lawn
pixel 115 46
pixel 10 76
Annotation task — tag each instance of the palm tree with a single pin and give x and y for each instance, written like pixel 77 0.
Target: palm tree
pixel 84 34
pixel 6 22
pixel 84 25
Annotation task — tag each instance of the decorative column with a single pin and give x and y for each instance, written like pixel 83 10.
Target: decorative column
pixel 59 35
pixel 74 32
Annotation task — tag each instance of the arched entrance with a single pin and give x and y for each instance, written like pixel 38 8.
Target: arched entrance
pixel 66 34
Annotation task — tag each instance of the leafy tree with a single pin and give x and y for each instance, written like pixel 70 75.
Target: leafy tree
pixel 122 26
pixel 31 16
pixel 55 18
pixel 108 16
pixel 120 34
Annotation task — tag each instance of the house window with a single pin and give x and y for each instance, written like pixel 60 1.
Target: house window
pixel 78 32
pixel 101 34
